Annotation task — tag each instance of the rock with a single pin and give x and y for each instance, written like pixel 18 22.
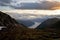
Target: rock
pixel 52 22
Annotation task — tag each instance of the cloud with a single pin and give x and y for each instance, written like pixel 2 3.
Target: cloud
pixel 42 5
pixel 18 4
pixel 5 2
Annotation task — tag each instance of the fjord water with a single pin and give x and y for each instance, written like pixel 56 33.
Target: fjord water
pixel 33 18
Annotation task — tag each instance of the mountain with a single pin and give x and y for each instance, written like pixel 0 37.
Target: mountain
pixel 49 23
pixel 26 22
pixel 8 26
pixel 16 31
pixel 6 20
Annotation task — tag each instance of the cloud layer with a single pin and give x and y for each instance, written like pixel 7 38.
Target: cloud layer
pixel 20 4
pixel 5 2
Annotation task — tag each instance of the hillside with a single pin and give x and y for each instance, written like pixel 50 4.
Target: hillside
pixel 16 31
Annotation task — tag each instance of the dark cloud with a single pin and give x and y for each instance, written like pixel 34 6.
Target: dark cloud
pixel 26 6
pixel 3 4
pixel 43 5
pixel 5 1
pixel 14 4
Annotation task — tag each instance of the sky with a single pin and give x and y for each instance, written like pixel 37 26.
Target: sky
pixel 16 4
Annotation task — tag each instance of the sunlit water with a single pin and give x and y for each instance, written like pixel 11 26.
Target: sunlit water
pixel 33 18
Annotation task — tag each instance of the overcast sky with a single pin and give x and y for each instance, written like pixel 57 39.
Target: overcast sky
pixel 12 4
